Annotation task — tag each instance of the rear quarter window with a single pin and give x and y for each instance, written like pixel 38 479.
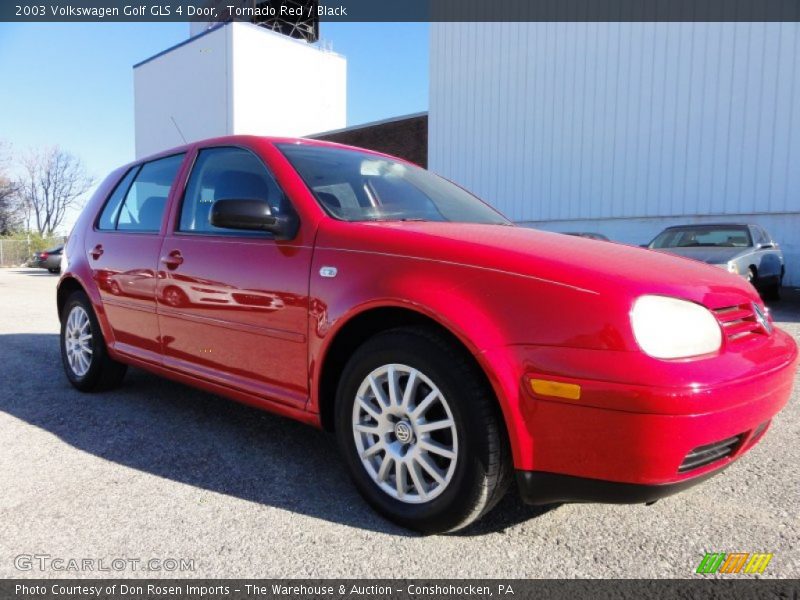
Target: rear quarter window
pixel 108 218
pixel 138 202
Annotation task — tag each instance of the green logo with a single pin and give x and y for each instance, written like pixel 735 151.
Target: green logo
pixel 734 562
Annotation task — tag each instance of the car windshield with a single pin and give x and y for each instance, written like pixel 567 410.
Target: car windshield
pixel 359 186
pixel 693 237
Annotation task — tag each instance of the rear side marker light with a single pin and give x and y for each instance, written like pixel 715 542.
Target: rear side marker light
pixel 557 389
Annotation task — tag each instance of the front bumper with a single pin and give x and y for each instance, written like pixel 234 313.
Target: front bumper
pixel 638 428
pixel 537 487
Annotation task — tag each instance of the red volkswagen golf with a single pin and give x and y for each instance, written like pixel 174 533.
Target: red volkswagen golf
pixel 448 349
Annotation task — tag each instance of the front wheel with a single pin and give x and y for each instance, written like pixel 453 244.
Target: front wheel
pixel 773 291
pixel 421 432
pixel 83 350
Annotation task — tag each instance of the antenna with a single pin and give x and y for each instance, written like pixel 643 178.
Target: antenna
pixel 180 133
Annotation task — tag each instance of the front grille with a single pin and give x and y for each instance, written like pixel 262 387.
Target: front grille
pixel 739 322
pixel 705 455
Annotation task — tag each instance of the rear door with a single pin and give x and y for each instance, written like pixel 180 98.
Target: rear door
pixel 123 250
pixel 233 304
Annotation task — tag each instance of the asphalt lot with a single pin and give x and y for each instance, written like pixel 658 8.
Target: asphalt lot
pixel 156 469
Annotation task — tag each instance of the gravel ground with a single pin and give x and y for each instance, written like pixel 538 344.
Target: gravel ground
pixel 156 469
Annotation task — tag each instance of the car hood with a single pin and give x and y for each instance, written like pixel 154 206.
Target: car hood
pixel 581 263
pixel 706 254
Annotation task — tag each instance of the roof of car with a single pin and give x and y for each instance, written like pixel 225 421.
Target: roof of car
pixel 710 225
pixel 249 139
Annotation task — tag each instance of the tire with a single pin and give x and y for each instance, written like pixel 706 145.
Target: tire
pixel 55 271
pixel 90 371
pixel 470 482
pixel 751 277
pixel 175 297
pixel 773 291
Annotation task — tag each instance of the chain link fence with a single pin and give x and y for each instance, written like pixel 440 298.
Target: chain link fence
pixel 16 252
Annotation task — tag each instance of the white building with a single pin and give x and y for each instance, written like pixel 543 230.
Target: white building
pixel 623 128
pixel 237 78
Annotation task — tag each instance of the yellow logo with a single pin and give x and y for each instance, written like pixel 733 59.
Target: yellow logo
pixel 734 562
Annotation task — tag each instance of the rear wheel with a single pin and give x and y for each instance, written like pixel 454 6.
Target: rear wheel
pixel 420 431
pixel 83 350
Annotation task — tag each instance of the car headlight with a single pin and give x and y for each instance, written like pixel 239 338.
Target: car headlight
pixel 671 328
pixel 729 266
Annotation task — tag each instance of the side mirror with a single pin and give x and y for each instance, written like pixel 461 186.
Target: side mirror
pixel 252 215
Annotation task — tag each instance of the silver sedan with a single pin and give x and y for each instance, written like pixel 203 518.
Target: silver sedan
pixel 49 259
pixel 747 250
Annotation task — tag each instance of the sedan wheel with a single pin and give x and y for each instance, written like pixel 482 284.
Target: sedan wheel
pixel 405 433
pixel 174 297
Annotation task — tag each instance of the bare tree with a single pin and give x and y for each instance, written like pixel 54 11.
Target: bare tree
pixel 53 181
pixel 10 214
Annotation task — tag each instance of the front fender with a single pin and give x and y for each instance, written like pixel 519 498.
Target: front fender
pixel 489 311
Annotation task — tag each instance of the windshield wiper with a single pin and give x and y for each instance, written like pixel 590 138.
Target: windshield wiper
pixel 394 219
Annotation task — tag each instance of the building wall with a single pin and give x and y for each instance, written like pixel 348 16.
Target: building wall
pixel 183 94
pixel 622 128
pixel 237 78
pixel 283 86
pixel 406 137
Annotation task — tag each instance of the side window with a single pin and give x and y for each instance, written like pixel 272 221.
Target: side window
pixel 108 218
pixel 143 207
pixel 227 174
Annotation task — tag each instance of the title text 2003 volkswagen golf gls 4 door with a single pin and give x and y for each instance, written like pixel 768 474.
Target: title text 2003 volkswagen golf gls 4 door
pixel 445 347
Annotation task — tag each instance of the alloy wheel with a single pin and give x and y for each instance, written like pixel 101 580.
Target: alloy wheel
pixel 405 433
pixel 78 341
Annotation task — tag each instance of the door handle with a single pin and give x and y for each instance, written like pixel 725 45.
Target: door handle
pixel 97 251
pixel 172 260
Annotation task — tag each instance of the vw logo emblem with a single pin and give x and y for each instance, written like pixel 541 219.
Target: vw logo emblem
pixel 403 432
pixel 762 318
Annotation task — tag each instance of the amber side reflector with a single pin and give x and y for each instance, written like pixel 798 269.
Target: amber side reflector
pixel 543 387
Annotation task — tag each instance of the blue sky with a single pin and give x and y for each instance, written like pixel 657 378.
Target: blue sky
pixel 72 84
